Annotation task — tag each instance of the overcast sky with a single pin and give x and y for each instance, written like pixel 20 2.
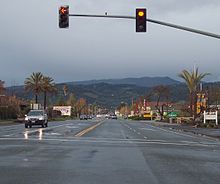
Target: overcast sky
pixel 30 40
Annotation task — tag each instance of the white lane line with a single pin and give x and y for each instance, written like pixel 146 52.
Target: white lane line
pixel 147 129
pixel 72 127
pixel 39 129
pixel 106 141
pixel 27 131
pixel 57 134
pixel 134 130
pixel 8 135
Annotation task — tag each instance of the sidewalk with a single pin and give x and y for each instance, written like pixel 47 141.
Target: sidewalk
pixel 209 132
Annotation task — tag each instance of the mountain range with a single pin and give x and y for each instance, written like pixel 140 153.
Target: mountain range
pixel 109 92
pixel 142 81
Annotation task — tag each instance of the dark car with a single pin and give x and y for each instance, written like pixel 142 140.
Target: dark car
pixel 36 117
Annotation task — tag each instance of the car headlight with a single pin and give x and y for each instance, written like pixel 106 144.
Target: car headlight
pixel 26 118
pixel 41 118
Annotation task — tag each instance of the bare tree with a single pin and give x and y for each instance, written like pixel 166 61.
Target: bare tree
pixel 161 92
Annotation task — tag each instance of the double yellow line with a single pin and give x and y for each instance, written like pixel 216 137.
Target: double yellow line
pixel 80 134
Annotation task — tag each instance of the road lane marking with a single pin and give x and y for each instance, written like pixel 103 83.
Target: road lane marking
pixel 72 127
pixel 28 131
pixel 147 129
pixel 83 132
pixel 8 135
pixel 111 142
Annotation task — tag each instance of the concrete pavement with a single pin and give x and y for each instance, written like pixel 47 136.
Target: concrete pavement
pixel 114 151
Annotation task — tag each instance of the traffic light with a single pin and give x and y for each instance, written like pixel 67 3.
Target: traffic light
pixel 141 20
pixel 64 17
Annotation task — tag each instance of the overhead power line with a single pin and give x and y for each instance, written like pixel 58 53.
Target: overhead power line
pixel 197 31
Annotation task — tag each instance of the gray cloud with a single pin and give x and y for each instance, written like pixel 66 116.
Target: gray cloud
pixel 98 48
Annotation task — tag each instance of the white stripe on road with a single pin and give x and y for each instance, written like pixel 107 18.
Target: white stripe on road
pixel 110 142
pixel 34 131
pixel 147 129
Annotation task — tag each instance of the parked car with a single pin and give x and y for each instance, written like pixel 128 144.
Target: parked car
pixel 36 117
pixel 89 117
pixel 83 117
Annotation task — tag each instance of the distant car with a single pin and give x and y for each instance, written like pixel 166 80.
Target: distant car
pixel 83 117
pixel 89 116
pixel 36 117
pixel 113 116
pixel 107 116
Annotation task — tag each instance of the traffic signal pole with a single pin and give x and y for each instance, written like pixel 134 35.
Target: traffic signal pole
pixel 197 31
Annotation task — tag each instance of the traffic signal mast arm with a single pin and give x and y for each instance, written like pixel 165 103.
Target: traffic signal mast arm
pixel 153 21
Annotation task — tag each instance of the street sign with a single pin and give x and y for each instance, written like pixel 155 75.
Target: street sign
pixel 172 114
pixel 211 116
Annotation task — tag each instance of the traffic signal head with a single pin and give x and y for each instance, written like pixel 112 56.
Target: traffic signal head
pixel 141 20
pixel 64 17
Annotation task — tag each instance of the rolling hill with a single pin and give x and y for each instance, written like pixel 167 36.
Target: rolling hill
pixel 142 81
pixel 109 93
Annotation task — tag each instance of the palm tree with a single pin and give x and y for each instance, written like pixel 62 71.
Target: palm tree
pixel 34 84
pixel 48 86
pixel 192 80
pixel 65 89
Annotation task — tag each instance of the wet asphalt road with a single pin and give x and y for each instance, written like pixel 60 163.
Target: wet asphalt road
pixel 109 151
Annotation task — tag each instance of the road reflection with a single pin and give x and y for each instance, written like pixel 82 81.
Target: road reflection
pixel 38 133
pixel 26 135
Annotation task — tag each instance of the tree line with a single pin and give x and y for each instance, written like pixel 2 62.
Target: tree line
pixel 162 95
pixel 38 84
